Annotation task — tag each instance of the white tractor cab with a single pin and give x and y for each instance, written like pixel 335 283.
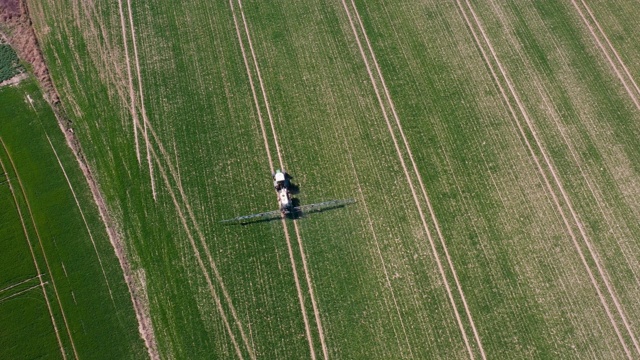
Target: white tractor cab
pixel 281 185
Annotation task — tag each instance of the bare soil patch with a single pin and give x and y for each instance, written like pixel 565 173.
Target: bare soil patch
pixel 9 9
pixel 14 80
pixel 16 29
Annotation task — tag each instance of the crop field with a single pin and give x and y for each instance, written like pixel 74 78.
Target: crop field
pixel 491 148
pixel 62 294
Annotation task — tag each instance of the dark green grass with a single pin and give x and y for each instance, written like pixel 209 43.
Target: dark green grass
pixel 26 331
pixel 98 325
pixel 25 325
pixel 15 258
pixel 9 63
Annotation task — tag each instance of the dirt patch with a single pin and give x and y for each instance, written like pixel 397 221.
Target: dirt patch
pixel 9 9
pixel 14 80
pixel 16 29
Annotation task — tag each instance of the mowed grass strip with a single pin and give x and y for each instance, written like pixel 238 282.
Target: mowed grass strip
pixel 82 291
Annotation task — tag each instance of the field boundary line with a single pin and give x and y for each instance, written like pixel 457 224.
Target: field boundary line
pixel 134 112
pixel 191 215
pixel 33 257
pixel 183 220
pixel 413 191
pixel 21 292
pixel 541 171
pixel 266 143
pixel 19 283
pixel 83 219
pixel 141 94
pixel 44 255
pixel 606 53
pixel 145 325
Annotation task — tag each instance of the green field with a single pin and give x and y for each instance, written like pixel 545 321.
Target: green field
pixel 62 294
pixel 491 148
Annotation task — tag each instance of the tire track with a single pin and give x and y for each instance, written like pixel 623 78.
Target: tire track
pixel 35 263
pixel 307 274
pixel 173 171
pixel 544 175
pixel 409 181
pixel 264 93
pixel 634 98
pixel 600 202
pixel 145 128
pixel 21 292
pixel 132 98
pixel 84 220
pixel 19 283
pixel 24 228
pixel 268 151
pixel 201 264
pixel 141 94
pixel 422 187
pixel 314 304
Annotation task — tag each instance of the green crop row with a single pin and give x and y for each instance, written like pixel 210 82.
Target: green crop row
pixel 55 234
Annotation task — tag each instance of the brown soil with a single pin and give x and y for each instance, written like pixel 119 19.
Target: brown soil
pixel 15 28
pixel 9 9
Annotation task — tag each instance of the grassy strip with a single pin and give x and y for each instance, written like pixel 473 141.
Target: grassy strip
pixel 84 295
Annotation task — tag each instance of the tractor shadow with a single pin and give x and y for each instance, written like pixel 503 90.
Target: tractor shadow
pixel 294 189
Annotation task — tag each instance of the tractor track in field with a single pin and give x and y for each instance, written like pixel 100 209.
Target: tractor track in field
pixel 378 251
pixel 605 52
pixel 21 292
pixel 201 264
pixel 409 181
pixel 600 202
pixel 307 274
pixel 554 174
pixel 33 256
pixel 95 248
pixel 19 283
pixel 132 97
pixel 143 109
pixel 136 293
pixel 145 128
pixel 174 174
